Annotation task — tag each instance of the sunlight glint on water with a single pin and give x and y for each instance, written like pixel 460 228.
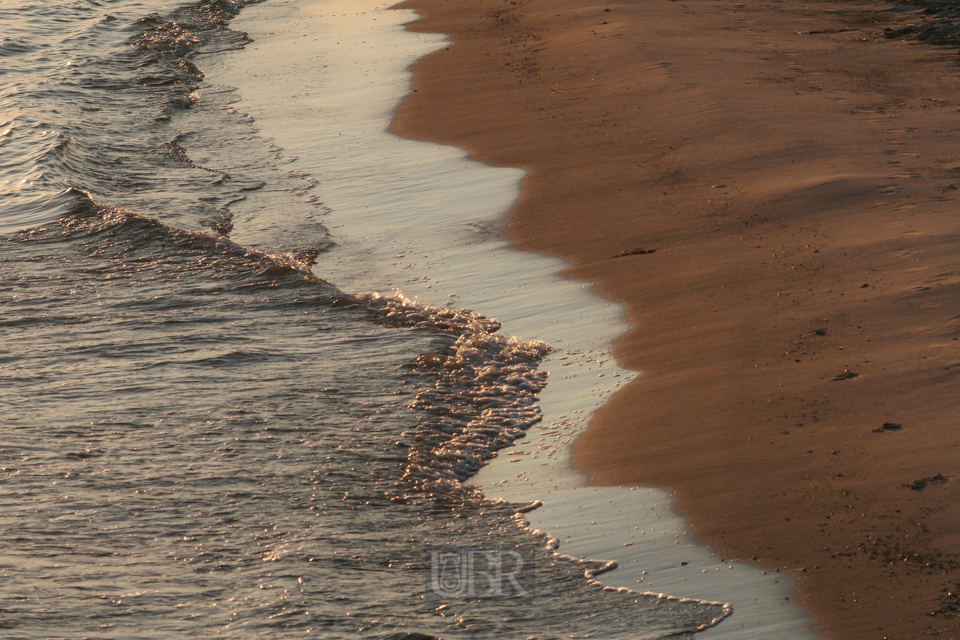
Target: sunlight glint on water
pixel 199 435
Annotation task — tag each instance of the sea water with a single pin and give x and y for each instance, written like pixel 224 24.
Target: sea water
pixel 202 432
pixel 219 414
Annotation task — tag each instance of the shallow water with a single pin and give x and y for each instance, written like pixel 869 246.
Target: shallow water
pixel 200 437
pixel 198 432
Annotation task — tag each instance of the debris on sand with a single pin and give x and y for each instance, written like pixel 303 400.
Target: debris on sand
pixel 920 485
pixel 634 252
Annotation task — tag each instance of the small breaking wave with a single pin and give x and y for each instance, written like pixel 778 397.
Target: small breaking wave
pixel 134 241
pixel 484 396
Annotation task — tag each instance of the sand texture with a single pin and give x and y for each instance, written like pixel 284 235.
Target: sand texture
pixel 772 191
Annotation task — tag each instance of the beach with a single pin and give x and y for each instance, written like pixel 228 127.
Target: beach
pixel 658 297
pixel 770 193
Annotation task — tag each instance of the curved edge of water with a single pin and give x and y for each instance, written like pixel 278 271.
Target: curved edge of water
pixel 424 218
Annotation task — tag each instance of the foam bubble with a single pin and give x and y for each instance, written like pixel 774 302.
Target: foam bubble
pixel 484 396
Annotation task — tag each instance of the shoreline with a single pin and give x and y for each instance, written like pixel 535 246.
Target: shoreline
pixel 793 171
pixel 425 219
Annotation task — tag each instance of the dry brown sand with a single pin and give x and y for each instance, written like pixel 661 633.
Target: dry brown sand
pixel 797 175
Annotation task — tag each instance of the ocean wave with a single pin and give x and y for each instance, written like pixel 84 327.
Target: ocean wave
pixel 484 396
pixel 484 385
pixel 131 240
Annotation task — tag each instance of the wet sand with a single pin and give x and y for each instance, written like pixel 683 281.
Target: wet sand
pixel 784 180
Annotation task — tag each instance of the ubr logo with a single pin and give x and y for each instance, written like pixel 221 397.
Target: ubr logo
pixel 479 574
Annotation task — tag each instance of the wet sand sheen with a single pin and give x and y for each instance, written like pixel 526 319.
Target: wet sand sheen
pixel 791 168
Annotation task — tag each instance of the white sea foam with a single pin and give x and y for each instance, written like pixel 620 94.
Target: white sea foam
pixel 485 396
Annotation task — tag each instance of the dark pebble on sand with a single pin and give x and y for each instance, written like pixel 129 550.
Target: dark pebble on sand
pixel 888 426
pixel 846 375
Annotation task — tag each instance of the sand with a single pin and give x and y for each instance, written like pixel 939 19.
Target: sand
pixel 784 180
